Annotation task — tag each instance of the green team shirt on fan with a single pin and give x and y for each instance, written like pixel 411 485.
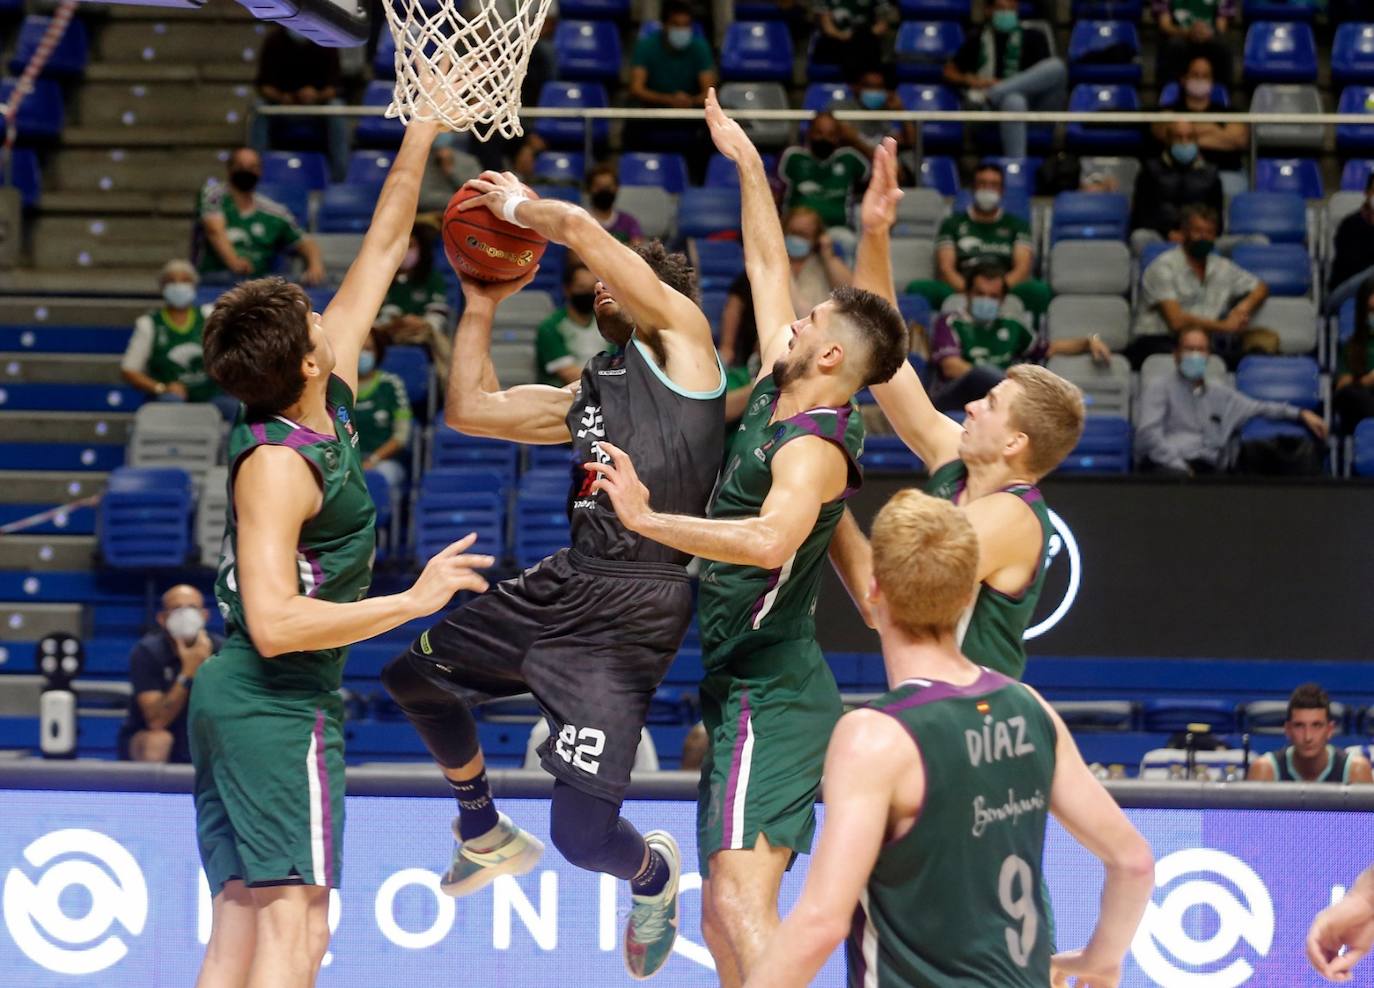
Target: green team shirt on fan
pixel 999 343
pixel 992 631
pixel 257 236
pixel 334 553
pixel 975 241
pixel 427 298
pixel 975 849
pixel 1186 13
pixel 561 343
pixel 171 352
pixel 825 186
pixel 381 411
pixel 738 600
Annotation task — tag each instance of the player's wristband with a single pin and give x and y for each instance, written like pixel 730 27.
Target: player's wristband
pixel 184 681
pixel 509 206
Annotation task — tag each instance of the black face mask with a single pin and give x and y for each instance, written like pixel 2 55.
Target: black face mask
pixel 243 179
pixel 822 149
pixel 603 199
pixel 582 301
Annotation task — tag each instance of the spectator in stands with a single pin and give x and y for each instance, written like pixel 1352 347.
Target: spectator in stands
pixel 1186 422
pixel 971 348
pixel 1193 287
pixel 1309 755
pixel 1353 258
pixel 1353 399
pixel 824 174
pixel 381 413
pixel 1224 145
pixel 1169 182
pixel 240 233
pixel 672 69
pixel 1007 66
pixel 164 358
pixel 984 233
pixel 603 186
pixel 875 89
pixel 816 268
pixel 568 338
pixel 294 71
pixel 416 306
pixel 162 667
pixel 1193 28
pixel 854 34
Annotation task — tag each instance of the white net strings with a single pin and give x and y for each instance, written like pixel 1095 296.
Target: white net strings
pixel 463 69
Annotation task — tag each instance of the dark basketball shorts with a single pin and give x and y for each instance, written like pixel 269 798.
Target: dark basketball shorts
pixel 590 638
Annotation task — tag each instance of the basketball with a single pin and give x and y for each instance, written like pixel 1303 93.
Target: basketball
pixel 482 245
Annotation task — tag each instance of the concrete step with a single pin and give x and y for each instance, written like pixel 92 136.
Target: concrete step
pixel 113 203
pixel 60 368
pixel 147 72
pixel 63 255
pixel 47 552
pixel 49 486
pixel 161 104
pixel 216 135
pixel 133 170
pixel 179 41
pixel 81 231
pixel 29 622
pixel 120 312
pixel 128 282
pixel 215 10
pixel 65 427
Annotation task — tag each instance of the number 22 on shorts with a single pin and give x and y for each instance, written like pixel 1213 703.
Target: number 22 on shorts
pixel 581 747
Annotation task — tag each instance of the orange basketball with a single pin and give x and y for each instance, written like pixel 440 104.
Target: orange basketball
pixel 482 245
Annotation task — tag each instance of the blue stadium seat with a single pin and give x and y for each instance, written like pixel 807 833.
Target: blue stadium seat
pixel 950 10
pixel 1090 38
pixel 541 525
pixel 823 95
pixel 411 365
pixel 378 132
pixel 560 167
pixel 550 457
pixel 1104 448
pixel 551 479
pixel 1280 51
pixel 364 168
pixel 60 456
pixel 379 489
pixel 563 193
pixel 939 173
pixel 666 170
pixel 712 306
pixel 504 741
pixel 1090 216
pixel 384 61
pixel 587 50
pixel 25 176
pixel 1294 380
pixel 76 586
pixel 1017 202
pixel 1280 10
pixel 454 451
pixel 889 454
pixel 915 308
pixel 571 133
pixel 296 169
pixel 1302 176
pixel 817 70
pixel 1018 173
pixel 144 518
pixel 1097 138
pixel 1362 452
pixel 1352 55
pixel 1350 138
pixel 347 208
pixel 295 198
pixel 381 741
pixel 1261 428
pixel 20 732
pixel 760 10
pixel 757 51
pixel 1285 268
pixel 1110 10
pixel 703 212
pixel 923 47
pixel 1175 714
pixel 1355 175
pixel 67 60
pixel 41 116
pixel 1281 216
pixel 719 263
pixel 1169 95
pixel 452 504
pixel 938 136
pixel 69 398
pixel 613 10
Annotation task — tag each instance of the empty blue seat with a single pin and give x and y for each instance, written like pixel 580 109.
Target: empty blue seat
pixel 1352 138
pixel 1105 447
pixel 297 169
pixel 1280 51
pixel 940 173
pixel 379 489
pixel 1018 174
pixel 760 10
pixel 1294 380
pixel 67 59
pixel 378 131
pixel 923 47
pixel 1280 10
pixel 889 454
pixel 937 136
pixel 453 450
pixel 915 308
pixel 448 509
pixel 1362 451
pixel 144 517
pixel 823 95
pixel 757 51
pixel 950 10
pixel 69 398
pixel 667 170
pixel 384 61
pixel 1355 175
pixel 1285 268
pixel 719 263
pixel 563 193
pixel 347 208
pixel 40 116
pixel 25 176
pixel 1017 202
pixel 295 199
pixel 1302 176
pixel 594 9
pixel 1352 55
pixel 1169 95
pixel 571 133
pixel 1261 428
pixel 1280 216
pixel 411 364
pixel 1111 10
pixel 566 167
pixel 541 524
pixel 1090 216
pixel 818 70
pixel 1090 41
pixel 549 457
pixel 1097 138
pixel 366 167
pixel 587 49
pixel 1175 714
pixel 706 211
pixel 712 306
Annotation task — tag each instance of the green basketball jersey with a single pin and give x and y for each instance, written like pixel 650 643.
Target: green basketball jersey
pixel 176 354
pixel 992 632
pixel 336 548
pixel 957 902
pixel 736 600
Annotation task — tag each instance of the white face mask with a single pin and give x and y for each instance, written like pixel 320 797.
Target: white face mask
pixel 185 623
pixel 987 200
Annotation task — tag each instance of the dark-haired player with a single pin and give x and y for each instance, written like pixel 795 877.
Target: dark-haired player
pixel 266 718
pixel 591 630
pixel 768 700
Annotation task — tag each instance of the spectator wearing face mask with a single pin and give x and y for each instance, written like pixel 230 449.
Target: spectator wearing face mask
pixel 1223 144
pixel 1353 258
pixel 824 174
pixel 671 69
pixel 816 269
pixel 1194 28
pixel 294 71
pixel 854 34
pixel 1186 422
pixel 568 338
pixel 1353 397
pixel 381 413
pixel 972 346
pixel 241 233
pixel 416 310
pixel 1170 182
pixel 162 667
pixel 602 188
pixel 874 89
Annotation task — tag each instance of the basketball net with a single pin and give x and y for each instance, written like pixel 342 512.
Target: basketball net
pixel 463 70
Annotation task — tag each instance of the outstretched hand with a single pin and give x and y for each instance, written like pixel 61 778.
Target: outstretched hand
pixel 729 136
pixel 494 292
pixel 622 485
pixel 1340 937
pixel 879 208
pixel 495 189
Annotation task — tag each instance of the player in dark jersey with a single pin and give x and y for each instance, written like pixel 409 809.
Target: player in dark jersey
pixel 266 718
pixel 1309 755
pixel 591 630
pixel 989 466
pixel 768 699
pixel 937 796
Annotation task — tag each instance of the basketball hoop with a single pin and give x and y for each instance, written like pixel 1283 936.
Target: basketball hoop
pixel 463 70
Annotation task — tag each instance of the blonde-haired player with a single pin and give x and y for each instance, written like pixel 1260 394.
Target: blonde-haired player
pixel 937 796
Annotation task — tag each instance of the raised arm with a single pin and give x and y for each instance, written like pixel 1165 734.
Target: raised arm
pixel 852 556
pixel 349 318
pixel 475 403
pixel 930 435
pixel 765 256
pixel 807 473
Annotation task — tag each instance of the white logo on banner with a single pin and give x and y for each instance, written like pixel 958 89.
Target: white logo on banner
pixel 1061 540
pixel 1168 953
pixel 113 888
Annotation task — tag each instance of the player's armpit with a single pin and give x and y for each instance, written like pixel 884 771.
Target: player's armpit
pixel 1009 541
pixel 927 432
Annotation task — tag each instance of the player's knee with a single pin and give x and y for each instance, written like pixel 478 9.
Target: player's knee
pixel 733 900
pixel 152 746
pixel 405 683
pixel 581 841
